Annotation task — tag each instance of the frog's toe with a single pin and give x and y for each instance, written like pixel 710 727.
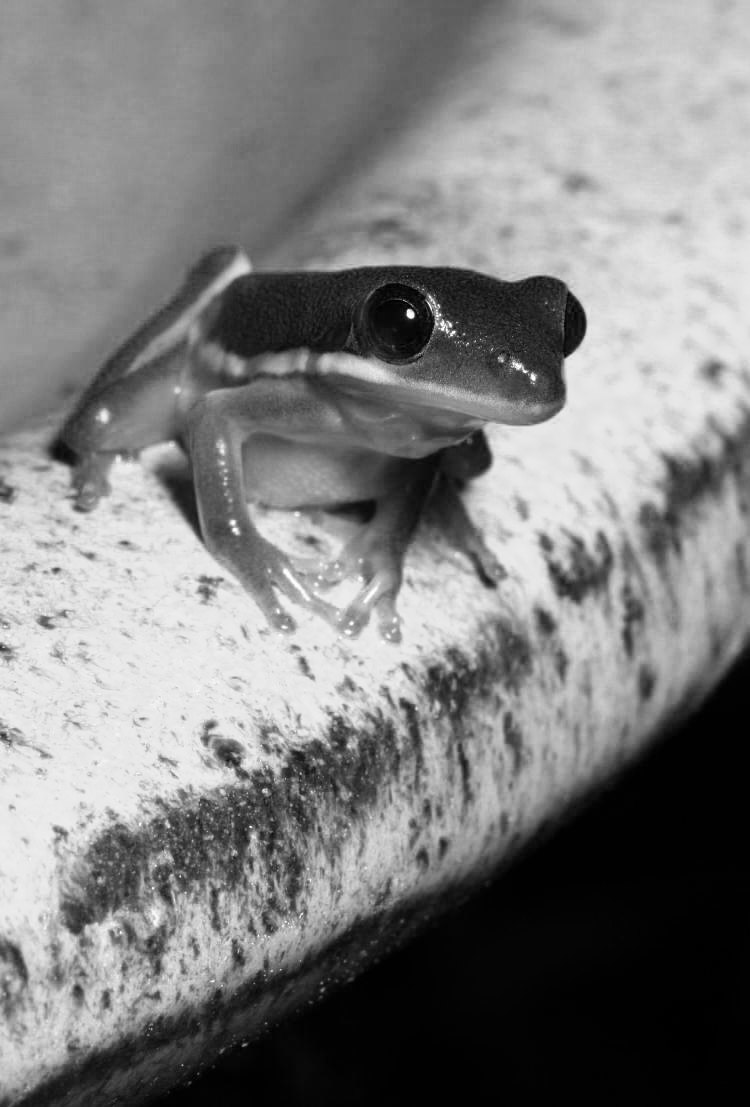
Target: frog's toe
pixel 378 595
pixel 488 568
pixel 277 616
pixel 389 621
pixel 269 577
pixel 294 588
pixel 90 483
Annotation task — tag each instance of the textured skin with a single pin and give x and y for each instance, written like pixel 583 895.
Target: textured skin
pixel 202 826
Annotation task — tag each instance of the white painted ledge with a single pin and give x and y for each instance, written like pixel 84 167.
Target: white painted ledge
pixel 204 824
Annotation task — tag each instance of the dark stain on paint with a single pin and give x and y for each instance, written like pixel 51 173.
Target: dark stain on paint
pixel 14 978
pixel 577 571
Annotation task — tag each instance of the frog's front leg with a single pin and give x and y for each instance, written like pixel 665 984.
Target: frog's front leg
pixel 376 554
pixel 217 427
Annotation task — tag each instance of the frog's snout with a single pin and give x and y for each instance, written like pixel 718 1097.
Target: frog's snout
pixel 574 324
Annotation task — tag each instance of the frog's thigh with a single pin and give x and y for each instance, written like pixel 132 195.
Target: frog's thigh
pixel 135 411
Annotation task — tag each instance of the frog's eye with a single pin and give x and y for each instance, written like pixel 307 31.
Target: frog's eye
pixel 574 327
pixel 396 322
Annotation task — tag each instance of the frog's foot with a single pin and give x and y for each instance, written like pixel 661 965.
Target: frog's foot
pixel 264 571
pixel 463 535
pixel 377 595
pixel 374 562
pixel 91 480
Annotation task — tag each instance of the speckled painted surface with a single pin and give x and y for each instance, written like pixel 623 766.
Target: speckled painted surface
pixel 204 824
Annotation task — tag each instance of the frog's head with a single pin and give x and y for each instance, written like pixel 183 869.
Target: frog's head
pixel 460 341
pixel 446 341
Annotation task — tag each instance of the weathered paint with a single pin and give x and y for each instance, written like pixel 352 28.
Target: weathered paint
pixel 206 825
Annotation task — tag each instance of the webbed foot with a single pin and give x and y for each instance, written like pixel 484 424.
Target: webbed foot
pixel 263 570
pixel 378 565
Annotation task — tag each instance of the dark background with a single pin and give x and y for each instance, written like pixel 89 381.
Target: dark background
pixel 610 966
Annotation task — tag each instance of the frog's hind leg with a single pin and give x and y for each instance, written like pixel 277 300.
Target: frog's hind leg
pixel 132 401
pixel 131 413
pixel 463 535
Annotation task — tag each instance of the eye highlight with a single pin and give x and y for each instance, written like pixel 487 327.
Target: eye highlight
pixel 396 323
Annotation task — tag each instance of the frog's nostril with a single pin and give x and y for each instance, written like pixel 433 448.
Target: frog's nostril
pixel 574 326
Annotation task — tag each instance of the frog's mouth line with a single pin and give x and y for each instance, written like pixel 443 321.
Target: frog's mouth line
pixel 386 385
pixel 360 376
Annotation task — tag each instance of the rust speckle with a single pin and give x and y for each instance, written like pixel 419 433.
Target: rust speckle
pixel 502 660
pixel 713 370
pixel 513 738
pixel 465 767
pixel 14 978
pixel 646 682
pixel 208 587
pixel 8 492
pixel 11 735
pixel 633 617
pixel 576 182
pixel 214 913
pixel 414 732
pixel 523 511
pixel 231 753
pixel 256 837
pixel 346 686
pixel 303 663
pixel 562 663
pixel 207 731
pixel 578 571
pixel 687 482
pixel 52 622
pixel 547 627
pixel 546 623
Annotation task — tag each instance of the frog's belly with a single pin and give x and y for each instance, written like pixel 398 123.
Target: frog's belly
pixel 289 474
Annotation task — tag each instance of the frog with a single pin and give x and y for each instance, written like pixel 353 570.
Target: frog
pixel 320 389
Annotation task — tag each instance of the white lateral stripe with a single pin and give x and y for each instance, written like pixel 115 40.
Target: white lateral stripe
pixel 287 363
pixel 172 336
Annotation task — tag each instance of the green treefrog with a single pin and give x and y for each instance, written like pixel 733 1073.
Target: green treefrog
pixel 321 389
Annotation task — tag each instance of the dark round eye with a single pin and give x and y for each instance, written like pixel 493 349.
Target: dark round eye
pixel 396 322
pixel 574 327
